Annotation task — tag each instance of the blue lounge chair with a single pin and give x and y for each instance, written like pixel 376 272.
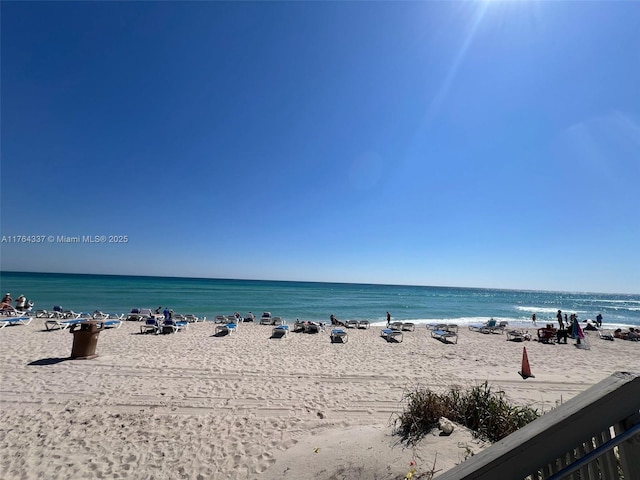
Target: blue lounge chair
pixel 488 327
pixel 150 325
pixel 226 329
pixel 280 331
pixel 171 326
pixel 62 324
pixel 15 321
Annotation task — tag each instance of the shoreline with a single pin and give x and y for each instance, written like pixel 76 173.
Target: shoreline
pixel 245 406
pixel 316 301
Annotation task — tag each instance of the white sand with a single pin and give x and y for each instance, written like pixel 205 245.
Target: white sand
pixel 190 405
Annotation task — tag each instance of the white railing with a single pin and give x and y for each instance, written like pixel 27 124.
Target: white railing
pixel 593 436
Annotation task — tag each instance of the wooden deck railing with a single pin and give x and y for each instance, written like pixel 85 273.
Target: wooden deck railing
pixel 593 436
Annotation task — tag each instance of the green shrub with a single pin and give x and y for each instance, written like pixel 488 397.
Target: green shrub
pixel 485 412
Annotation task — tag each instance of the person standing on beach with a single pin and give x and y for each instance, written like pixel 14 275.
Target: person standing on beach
pixel 388 319
pixel 21 303
pixel 559 317
pixel 533 319
pixel 599 320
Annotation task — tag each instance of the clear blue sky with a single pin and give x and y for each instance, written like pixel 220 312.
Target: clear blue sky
pixel 487 144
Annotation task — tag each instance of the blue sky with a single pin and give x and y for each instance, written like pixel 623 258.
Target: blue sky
pixel 486 144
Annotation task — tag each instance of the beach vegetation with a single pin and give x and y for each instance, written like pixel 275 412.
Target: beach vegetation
pixel 480 408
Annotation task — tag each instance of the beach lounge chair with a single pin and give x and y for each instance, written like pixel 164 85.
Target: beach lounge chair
pixel 249 317
pixel 452 327
pixel 408 326
pixel 98 315
pixel 351 324
pixel 43 314
pixel 445 336
pixel 501 327
pixel 605 335
pixel 312 327
pixel 15 321
pixel 395 325
pixel 338 335
pixel 266 319
pixel 193 319
pixel 488 327
pixel 277 321
pixel 150 325
pixel 516 336
pixel 299 326
pixel 439 326
pixel 391 335
pixel 547 335
pixel 364 324
pixel 171 326
pixel 280 331
pixel 59 323
pixel 135 315
pixel 220 319
pixel 112 323
pixel 226 329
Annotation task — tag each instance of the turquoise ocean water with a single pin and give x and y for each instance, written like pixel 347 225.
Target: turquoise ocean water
pixel 313 301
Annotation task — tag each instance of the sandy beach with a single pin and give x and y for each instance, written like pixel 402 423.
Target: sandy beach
pixel 245 406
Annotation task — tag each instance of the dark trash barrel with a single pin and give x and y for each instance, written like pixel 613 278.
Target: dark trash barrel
pixel 85 339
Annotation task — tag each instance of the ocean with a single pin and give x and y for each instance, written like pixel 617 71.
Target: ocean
pixel 314 301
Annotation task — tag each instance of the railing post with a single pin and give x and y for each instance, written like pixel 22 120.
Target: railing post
pixel 629 449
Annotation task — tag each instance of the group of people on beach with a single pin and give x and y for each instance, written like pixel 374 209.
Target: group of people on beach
pixel 568 326
pixel 568 321
pixel 22 304
pixel 632 334
pixel 167 313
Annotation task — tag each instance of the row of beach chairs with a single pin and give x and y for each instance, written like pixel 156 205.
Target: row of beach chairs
pixel 444 333
pixel 157 326
pixel 60 324
pixel 142 314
